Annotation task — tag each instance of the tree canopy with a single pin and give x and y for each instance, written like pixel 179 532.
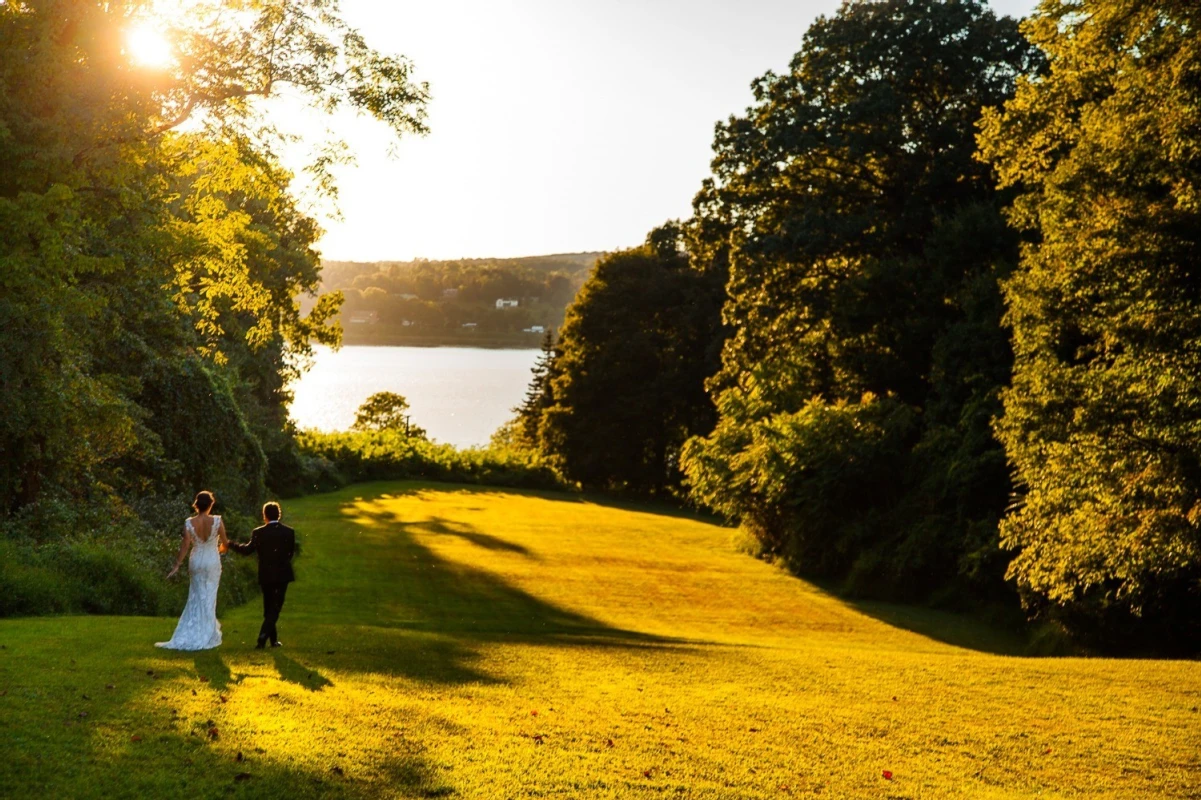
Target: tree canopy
pixel 152 267
pixel 1103 419
pixel 865 242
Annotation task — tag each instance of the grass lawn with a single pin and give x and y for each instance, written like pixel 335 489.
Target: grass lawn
pixel 446 641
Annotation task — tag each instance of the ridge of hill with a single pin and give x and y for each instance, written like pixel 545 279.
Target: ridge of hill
pixel 499 302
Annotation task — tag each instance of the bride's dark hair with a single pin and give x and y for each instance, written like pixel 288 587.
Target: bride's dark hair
pixel 203 502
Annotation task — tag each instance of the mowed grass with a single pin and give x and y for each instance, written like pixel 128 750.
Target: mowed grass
pixel 444 641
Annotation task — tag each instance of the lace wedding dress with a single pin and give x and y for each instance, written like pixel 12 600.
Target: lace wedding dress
pixel 198 628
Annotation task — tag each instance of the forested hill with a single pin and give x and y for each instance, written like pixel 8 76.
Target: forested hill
pixel 498 302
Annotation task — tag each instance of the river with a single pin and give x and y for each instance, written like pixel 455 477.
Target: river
pixel 460 395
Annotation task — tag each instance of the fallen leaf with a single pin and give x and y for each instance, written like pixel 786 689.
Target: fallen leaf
pixel 223 698
pixel 533 713
pixel 1047 752
pixel 894 699
pixel 212 733
pixel 887 775
pixel 110 686
pixel 193 693
pixel 537 738
pixel 135 738
pixel 646 773
pixel 85 697
pixel 203 679
pixel 329 652
pixel 609 743
pixel 242 776
pixel 753 730
pixel 337 770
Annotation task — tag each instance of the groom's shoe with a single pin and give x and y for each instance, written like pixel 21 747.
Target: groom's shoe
pixel 262 643
pixel 277 644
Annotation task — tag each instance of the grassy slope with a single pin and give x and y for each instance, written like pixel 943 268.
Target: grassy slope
pixel 450 641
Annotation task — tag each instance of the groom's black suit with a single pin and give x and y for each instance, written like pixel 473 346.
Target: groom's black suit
pixel 275 544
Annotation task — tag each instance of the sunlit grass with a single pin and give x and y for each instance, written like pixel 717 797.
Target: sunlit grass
pixel 445 641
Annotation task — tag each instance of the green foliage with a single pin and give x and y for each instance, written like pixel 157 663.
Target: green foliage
pixel 526 431
pixel 1103 421
pixel 149 277
pixel 60 557
pixel 204 439
pixel 386 411
pixel 431 301
pixel 332 460
pixel 864 245
pixel 626 387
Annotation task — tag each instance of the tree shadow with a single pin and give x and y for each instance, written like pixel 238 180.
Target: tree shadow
pixel 445 527
pixel 293 672
pixel 109 732
pixel 956 629
pixel 382 600
pixel 433 594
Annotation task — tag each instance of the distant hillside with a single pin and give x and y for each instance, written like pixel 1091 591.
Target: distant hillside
pixel 500 302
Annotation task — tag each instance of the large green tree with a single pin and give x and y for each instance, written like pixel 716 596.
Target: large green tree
pixel 148 277
pixel 865 244
pixel 627 383
pixel 1103 421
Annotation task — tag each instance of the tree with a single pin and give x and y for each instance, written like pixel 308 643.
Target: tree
pixel 538 397
pixel 1102 423
pixel 385 411
pixel 864 246
pixel 627 386
pixel 129 249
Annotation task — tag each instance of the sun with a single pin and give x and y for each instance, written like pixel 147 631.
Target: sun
pixel 148 48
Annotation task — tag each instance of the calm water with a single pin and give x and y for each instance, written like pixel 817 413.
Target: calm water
pixel 459 395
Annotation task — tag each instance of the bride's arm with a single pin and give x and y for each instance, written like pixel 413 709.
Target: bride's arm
pixel 183 551
pixel 222 540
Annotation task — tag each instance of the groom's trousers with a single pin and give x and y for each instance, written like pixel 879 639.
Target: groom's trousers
pixel 273 603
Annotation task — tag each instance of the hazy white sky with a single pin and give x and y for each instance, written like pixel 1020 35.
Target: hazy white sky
pixel 556 125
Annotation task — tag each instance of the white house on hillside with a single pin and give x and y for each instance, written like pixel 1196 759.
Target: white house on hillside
pixel 504 303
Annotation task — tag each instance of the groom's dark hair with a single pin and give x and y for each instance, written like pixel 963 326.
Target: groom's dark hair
pixel 271 511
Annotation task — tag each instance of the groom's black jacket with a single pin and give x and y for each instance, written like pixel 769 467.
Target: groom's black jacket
pixel 275 544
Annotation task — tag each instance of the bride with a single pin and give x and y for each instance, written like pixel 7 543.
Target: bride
pixel 204 534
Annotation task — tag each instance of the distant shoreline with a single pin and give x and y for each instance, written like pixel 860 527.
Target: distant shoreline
pixel 499 341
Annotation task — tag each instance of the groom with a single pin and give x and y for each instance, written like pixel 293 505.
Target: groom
pixel 275 544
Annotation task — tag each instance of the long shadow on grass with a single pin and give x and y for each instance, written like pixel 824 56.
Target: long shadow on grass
pixel 289 670
pixel 213 669
pixel 95 721
pixel 958 630
pixel 384 601
pixel 433 594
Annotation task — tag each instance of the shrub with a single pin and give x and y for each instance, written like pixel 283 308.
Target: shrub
pixel 335 459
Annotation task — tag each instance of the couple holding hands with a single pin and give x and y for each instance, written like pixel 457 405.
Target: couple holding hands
pixel 204 535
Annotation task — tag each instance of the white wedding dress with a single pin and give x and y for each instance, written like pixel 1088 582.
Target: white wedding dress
pixel 198 628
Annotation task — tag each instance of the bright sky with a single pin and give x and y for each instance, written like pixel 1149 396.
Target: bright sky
pixel 556 125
